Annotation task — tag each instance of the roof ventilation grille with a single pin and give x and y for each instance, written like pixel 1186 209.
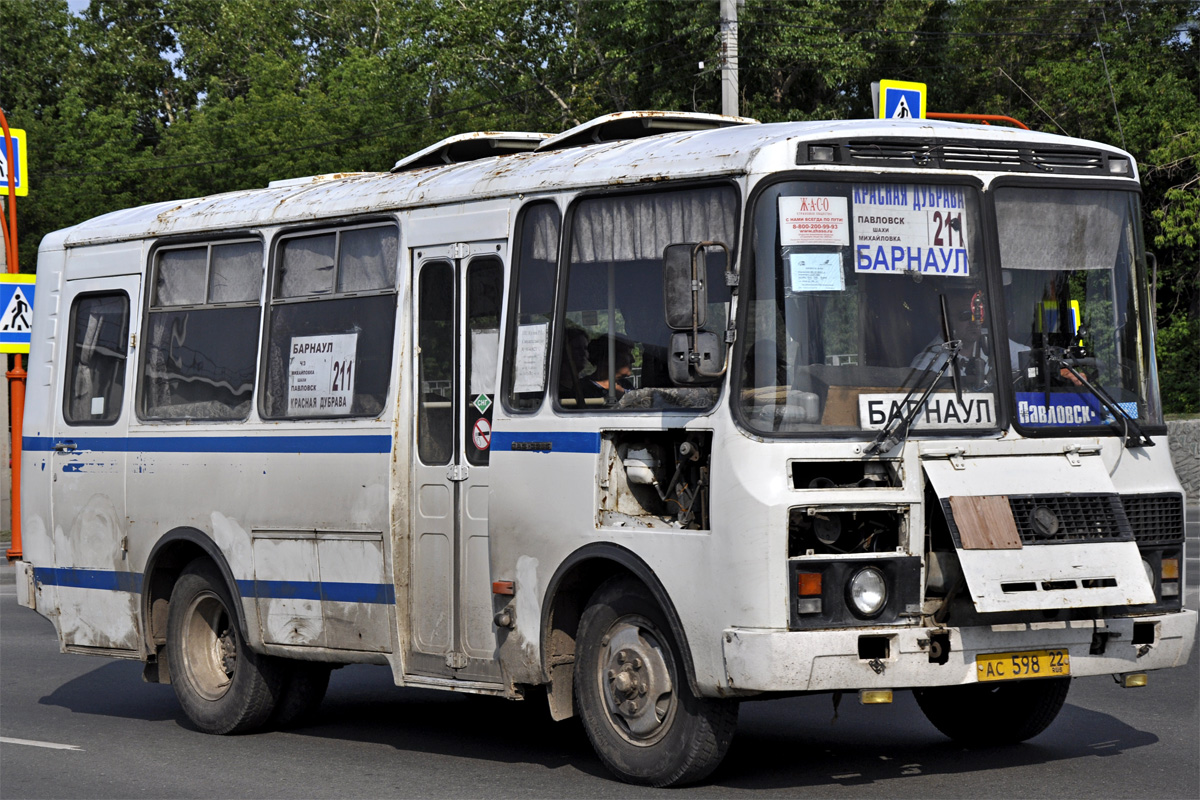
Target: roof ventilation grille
pixel 983 156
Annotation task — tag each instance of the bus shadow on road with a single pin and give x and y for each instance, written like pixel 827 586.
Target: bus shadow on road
pixel 797 743
pixel 116 689
pixel 784 743
pixel 364 706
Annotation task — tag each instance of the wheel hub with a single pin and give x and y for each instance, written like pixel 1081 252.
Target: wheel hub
pixel 636 678
pixel 209 646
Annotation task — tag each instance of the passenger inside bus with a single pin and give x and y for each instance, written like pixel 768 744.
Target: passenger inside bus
pixel 616 374
pixel 573 365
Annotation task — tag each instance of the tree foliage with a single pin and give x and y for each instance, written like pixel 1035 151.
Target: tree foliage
pixel 135 101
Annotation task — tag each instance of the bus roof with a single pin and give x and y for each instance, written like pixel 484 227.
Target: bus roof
pixel 721 151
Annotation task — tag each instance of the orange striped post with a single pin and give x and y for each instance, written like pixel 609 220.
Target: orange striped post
pixel 16 376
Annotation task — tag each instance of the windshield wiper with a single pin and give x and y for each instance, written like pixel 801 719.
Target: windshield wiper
pixel 895 429
pixel 1134 436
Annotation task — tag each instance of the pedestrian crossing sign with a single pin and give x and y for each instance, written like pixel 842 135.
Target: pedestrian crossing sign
pixel 18 165
pixel 901 100
pixel 16 322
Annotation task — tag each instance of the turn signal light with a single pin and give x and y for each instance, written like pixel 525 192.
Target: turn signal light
pixel 1170 569
pixel 870 697
pixel 810 584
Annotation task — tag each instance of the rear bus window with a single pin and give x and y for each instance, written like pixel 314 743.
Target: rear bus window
pixel 332 317
pixel 202 332
pixel 95 387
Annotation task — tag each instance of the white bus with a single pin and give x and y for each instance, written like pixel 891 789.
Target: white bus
pixel 775 408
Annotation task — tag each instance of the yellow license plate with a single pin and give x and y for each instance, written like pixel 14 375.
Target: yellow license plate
pixel 1029 664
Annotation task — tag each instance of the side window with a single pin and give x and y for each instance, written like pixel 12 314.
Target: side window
pixel 332 323
pixel 615 340
pixel 534 270
pixel 435 363
pixel 99 340
pixel 485 290
pixel 202 332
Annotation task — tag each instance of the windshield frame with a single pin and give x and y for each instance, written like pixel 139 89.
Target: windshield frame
pixel 1141 280
pixel 987 253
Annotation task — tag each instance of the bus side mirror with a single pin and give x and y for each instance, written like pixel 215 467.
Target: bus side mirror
pixel 685 296
pixel 696 355
pixel 698 363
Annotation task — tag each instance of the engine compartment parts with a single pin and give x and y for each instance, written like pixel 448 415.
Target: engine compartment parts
pixel 654 479
pixel 815 530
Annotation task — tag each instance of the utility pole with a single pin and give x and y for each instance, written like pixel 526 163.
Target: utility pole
pixel 729 57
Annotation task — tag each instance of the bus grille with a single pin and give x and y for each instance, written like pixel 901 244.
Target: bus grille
pixel 1155 518
pixel 941 154
pixel 1080 518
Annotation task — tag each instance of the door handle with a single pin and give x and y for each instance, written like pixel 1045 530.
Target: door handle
pixel 65 446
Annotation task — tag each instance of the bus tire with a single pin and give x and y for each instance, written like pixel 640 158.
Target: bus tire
pixel 633 695
pixel 304 687
pixel 985 714
pixel 222 685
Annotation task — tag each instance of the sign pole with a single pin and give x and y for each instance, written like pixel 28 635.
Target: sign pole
pixel 16 376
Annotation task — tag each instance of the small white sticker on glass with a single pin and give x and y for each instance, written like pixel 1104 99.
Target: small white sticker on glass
pixel 530 367
pixel 485 348
pixel 97 406
pixel 816 272
pixel 817 221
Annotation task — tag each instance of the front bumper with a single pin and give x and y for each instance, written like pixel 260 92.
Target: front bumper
pixel 790 661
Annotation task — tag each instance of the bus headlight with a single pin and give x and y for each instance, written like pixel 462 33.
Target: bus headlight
pixel 868 592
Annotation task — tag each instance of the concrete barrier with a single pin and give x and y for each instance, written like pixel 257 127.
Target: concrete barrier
pixel 1184 436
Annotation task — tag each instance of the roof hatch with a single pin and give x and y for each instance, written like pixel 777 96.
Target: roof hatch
pixel 471 147
pixel 636 124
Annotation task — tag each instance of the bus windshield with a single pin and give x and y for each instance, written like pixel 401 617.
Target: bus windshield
pixel 1074 285
pixel 855 291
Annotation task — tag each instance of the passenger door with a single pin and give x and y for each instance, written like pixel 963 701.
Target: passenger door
pixel 97 588
pixel 457 300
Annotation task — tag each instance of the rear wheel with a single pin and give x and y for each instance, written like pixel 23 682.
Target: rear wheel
pixel 633 695
pixel 992 714
pixel 222 685
pixel 304 687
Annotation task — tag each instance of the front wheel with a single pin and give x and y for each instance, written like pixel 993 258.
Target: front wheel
pixel 994 713
pixel 633 695
pixel 222 685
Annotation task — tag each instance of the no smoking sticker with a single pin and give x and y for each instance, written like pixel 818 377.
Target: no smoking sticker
pixel 481 436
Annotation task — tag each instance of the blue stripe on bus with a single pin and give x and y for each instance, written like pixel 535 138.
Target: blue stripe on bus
pixel 547 442
pixel 373 593
pixel 77 578
pixel 216 444
pixel 109 580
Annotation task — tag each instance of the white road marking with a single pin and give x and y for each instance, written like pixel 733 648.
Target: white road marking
pixel 32 743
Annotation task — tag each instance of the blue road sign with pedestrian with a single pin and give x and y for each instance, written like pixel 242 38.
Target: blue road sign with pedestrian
pixel 16 321
pixel 901 100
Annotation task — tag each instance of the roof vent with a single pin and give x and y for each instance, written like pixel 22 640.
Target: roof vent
pixel 471 147
pixel 636 124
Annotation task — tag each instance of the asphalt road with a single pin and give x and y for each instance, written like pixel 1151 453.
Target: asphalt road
pixel 124 738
